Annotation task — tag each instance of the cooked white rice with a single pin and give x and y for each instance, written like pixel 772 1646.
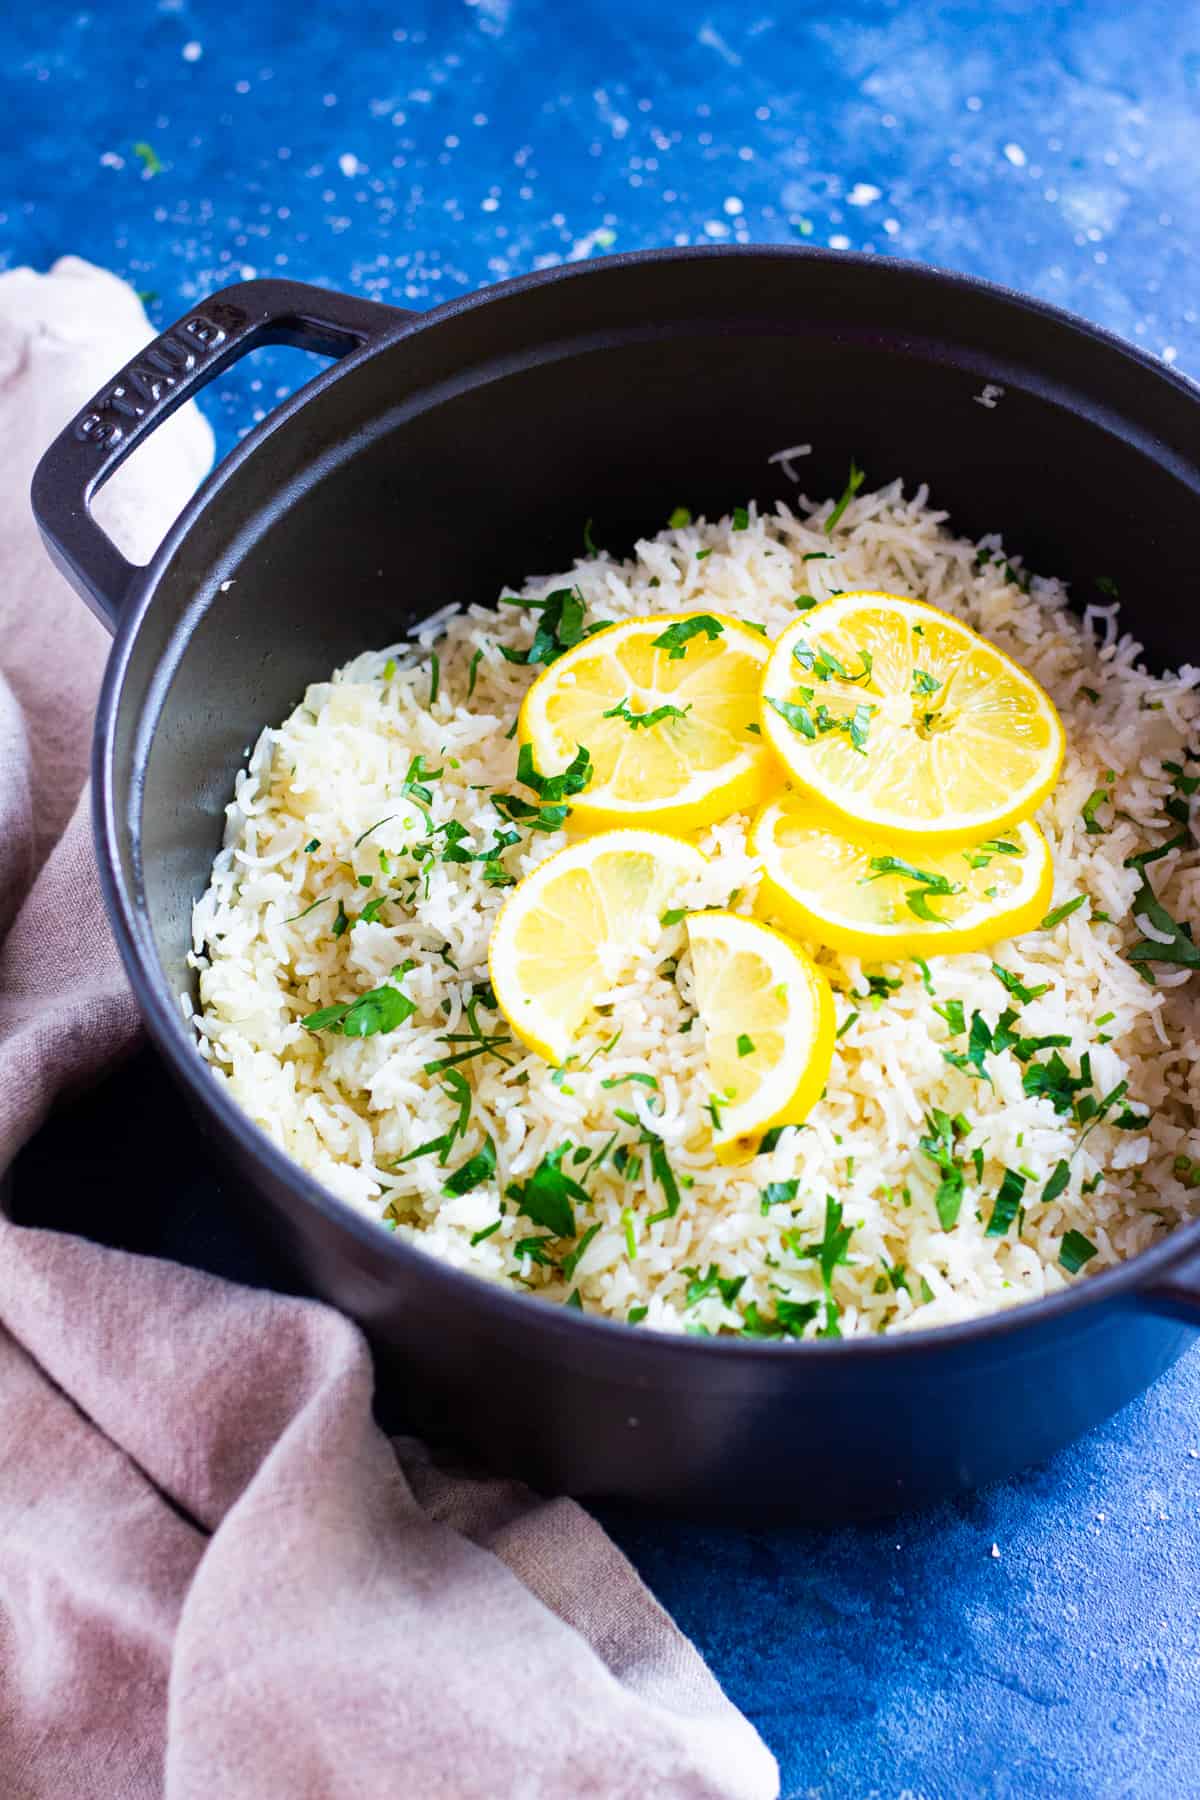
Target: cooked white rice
pixel 348 1108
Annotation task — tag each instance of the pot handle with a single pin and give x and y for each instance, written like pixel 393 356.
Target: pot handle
pixel 185 358
pixel 1177 1293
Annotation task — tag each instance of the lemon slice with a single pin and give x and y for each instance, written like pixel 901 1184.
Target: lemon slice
pixel 769 1028
pixel 907 722
pixel 667 707
pixel 569 928
pixel 853 891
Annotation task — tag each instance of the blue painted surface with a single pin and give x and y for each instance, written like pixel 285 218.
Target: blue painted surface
pixel 414 151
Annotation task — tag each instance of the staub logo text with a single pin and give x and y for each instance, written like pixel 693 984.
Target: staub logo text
pixel 141 387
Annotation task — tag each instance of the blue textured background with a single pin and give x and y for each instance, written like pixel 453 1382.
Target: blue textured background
pixel 1042 1638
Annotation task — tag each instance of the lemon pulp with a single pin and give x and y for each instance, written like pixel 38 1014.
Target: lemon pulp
pixel 902 719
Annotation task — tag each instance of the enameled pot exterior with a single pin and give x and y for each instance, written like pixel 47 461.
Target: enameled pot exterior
pixel 447 455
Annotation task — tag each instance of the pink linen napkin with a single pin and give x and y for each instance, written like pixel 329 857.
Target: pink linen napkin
pixel 217 1577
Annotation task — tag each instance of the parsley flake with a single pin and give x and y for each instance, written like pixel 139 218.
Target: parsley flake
pixel 675 639
pixel 1062 912
pixel 1074 1251
pixel 474 1172
pixel 559 627
pixel 853 483
pixel 646 719
pixel 1007 1202
pixel 381 1009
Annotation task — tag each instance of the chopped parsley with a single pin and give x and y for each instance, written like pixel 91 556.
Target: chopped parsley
pixel 679 518
pixel 371 911
pixel 474 1172
pixel 789 1320
pixel 381 1009
pixel 636 1314
pixel 797 717
pixel 1059 1177
pixel 916 899
pixel 1016 987
pixel 308 909
pixel 534 1250
pixel 741 519
pixel 573 779
pixel 1007 1202
pixel 745 1045
pixel 589 542
pixel 646 719
pixel 479 1042
pixel 571 1261
pixel 1147 909
pixel 954 1015
pixel 778 1193
pixel 533 818
pixel 312 844
pixel 458 1089
pixel 1053 1081
pixel 435 677
pixel 770 1139
pixel 148 157
pixel 612 1081
pixel 559 627
pixel 829 1252
pixel 856 725
pixel 1091 805
pixel 853 483
pixel 940 1145
pixel 979 1042
pixel 478 1236
pixel 1062 912
pixel 845 1025
pixel 924 683
pixel 713 1282
pixel 1074 1251
pixel 341 923
pixel 473 671
pixel 823 665
pixel 1179 842
pixel 546 1197
pixel 663 1173
pixel 673 915
pixel 675 639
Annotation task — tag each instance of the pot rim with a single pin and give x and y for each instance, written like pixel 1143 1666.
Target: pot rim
pixel 173 1035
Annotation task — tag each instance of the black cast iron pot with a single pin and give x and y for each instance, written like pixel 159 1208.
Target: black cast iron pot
pixel 448 454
